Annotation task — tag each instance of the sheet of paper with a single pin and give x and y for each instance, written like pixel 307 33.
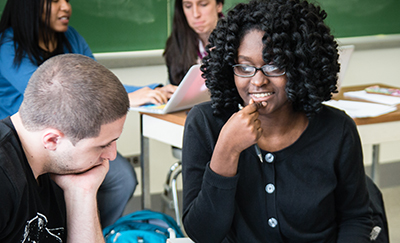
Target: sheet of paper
pixel 180 240
pixel 377 98
pixel 358 109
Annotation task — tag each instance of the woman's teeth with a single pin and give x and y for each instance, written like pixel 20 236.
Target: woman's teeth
pixel 261 95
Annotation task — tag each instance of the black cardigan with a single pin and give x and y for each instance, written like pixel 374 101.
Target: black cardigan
pixel 312 191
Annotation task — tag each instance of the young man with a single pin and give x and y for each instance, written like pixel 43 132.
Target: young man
pixel 55 152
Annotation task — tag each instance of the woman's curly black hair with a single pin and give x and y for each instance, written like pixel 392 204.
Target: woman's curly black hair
pixel 296 40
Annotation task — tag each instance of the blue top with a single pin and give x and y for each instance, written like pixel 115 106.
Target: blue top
pixel 13 80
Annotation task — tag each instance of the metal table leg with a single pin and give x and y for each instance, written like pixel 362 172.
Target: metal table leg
pixel 145 167
pixel 375 164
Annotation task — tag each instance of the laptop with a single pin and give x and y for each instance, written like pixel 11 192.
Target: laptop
pixel 345 53
pixel 191 91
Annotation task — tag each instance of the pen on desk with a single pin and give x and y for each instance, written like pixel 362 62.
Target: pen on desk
pixel 256 147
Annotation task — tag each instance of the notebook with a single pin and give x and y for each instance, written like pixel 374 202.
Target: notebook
pixel 191 91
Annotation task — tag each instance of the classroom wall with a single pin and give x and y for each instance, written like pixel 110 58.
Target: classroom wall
pixel 133 25
pixel 372 62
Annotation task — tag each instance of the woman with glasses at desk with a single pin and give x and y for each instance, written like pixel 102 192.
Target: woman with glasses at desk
pixel 265 160
pixel 32 31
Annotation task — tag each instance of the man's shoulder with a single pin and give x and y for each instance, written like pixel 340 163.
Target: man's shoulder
pixel 4 128
pixel 25 205
pixel 12 181
pixel 6 131
pixel 11 155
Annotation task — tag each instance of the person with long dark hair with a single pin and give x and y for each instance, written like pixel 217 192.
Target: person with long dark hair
pixel 192 24
pixel 265 160
pixel 33 31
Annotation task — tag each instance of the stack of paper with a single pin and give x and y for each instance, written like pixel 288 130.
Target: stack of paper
pixel 357 109
pixel 376 98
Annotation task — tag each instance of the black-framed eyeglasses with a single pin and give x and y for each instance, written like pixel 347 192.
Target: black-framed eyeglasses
pixel 247 71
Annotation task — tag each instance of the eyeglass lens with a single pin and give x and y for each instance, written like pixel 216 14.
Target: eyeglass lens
pixel 249 71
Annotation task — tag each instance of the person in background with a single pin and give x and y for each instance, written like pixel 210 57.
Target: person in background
pixel 32 31
pixel 192 24
pixel 265 160
pixel 55 151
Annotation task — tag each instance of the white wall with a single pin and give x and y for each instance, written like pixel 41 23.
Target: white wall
pixel 369 64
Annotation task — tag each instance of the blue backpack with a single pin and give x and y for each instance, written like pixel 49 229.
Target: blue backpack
pixel 142 227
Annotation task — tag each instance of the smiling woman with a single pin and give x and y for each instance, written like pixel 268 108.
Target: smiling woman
pixel 55 19
pixel 267 87
pixel 304 181
pixel 59 13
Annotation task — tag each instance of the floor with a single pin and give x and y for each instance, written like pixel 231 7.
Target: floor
pixel 391 197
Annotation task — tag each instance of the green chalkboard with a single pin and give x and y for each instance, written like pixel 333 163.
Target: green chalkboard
pixel 350 18
pixel 121 25
pixel 132 25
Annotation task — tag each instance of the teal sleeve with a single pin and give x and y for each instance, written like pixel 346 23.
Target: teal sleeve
pixel 131 88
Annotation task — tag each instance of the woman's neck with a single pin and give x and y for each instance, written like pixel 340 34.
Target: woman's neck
pixel 204 39
pixel 281 133
pixel 51 45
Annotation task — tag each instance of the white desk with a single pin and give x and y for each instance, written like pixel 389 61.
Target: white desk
pixel 376 130
pixel 169 129
pixel 164 128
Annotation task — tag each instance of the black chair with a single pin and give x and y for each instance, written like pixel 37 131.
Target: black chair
pixel 169 198
pixel 380 230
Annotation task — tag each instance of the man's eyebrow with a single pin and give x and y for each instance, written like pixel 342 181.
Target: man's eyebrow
pixel 115 139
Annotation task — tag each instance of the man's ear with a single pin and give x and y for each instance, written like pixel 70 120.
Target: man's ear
pixel 51 138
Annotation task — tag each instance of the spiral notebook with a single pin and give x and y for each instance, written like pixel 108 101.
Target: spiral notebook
pixel 191 91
